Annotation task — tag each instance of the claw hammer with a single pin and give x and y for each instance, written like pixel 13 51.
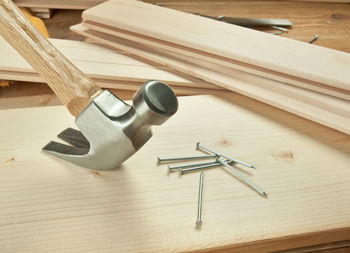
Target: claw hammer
pixel 111 130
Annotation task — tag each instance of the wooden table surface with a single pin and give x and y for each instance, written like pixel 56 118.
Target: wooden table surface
pixel 331 21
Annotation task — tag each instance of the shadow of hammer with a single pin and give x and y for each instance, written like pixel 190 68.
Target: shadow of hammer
pixel 111 130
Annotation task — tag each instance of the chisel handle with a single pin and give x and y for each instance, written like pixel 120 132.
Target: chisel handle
pixel 72 87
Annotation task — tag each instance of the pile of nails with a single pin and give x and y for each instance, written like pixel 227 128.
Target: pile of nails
pixel 220 160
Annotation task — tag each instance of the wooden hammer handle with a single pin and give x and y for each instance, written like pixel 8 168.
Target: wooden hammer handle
pixel 72 87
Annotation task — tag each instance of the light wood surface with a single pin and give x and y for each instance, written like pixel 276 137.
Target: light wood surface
pixel 251 86
pixel 29 94
pixel 230 41
pixel 34 9
pixel 26 94
pixel 218 61
pixel 73 88
pixel 98 63
pixel 48 205
pixel 58 4
pixel 329 20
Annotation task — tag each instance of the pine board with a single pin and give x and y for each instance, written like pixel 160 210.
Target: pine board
pixel 230 41
pixel 51 206
pixel 251 86
pixel 329 20
pixel 218 61
pixel 99 62
pixel 116 83
pixel 119 84
pixel 60 4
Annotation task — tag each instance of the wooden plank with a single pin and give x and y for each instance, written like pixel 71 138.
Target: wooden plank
pixel 229 41
pixel 40 9
pixel 322 1
pixel 335 247
pixel 61 4
pixel 97 62
pixel 119 84
pixel 28 94
pixel 255 87
pixel 43 15
pixel 328 20
pixel 42 197
pixel 187 52
pixel 326 102
pixel 225 2
pixel 179 90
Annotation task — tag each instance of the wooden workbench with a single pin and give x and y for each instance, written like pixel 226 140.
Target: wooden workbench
pixel 331 21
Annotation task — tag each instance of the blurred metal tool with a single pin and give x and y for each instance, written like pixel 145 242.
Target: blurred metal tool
pixel 250 22
pixel 282 29
pixel 314 39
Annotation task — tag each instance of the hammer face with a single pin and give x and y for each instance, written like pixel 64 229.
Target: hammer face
pixel 111 130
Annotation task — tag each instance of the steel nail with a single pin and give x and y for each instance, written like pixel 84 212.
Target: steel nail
pixel 190 165
pixel 163 160
pixel 227 157
pixel 199 210
pixel 242 178
pixel 215 164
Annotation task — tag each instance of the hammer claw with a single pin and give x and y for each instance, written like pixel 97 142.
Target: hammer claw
pixel 56 147
pixel 75 138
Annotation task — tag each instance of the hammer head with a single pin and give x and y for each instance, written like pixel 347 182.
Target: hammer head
pixel 111 130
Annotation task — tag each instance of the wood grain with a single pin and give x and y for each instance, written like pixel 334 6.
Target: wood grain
pixel 74 89
pixel 249 85
pixel 335 247
pixel 230 41
pixel 329 20
pixel 217 61
pixel 61 4
pixel 28 94
pixel 98 63
pixel 49 205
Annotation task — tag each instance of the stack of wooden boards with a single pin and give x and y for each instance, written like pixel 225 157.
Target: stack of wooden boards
pixel 61 4
pixel 43 13
pixel 110 68
pixel 43 8
pixel 307 80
